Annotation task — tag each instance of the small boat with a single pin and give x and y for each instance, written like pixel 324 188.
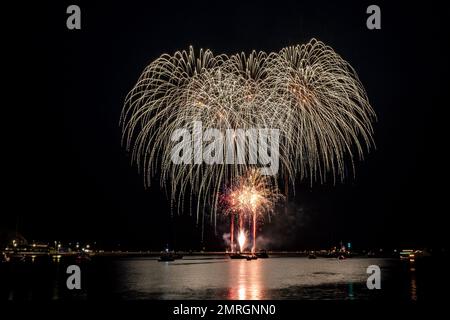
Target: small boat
pixel 82 257
pixel 237 256
pixel 177 256
pixel 341 257
pixel 166 257
pixel 312 256
pixel 262 254
pixel 251 257
pixel 16 257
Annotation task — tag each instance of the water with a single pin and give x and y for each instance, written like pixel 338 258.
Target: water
pixel 213 278
pixel 275 278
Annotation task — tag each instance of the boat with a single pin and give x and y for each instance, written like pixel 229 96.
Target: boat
pixel 251 257
pixel 262 254
pixel 82 257
pixel 177 256
pixel 237 256
pixel 166 257
pixel 16 257
pixel 312 256
pixel 341 257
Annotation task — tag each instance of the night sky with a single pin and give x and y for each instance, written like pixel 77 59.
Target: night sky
pixel 71 178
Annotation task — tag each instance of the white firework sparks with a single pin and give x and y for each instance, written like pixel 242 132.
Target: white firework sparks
pixel 308 92
pixel 324 109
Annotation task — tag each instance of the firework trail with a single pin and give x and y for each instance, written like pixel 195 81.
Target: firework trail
pixel 308 92
pixel 251 197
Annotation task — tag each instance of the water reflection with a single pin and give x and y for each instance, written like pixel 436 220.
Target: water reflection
pixel 413 284
pixel 245 281
pixel 207 278
pixel 351 295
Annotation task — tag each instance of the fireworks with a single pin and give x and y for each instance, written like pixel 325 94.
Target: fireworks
pixel 250 198
pixel 308 92
pixel 324 107
pixel 241 240
pixel 251 192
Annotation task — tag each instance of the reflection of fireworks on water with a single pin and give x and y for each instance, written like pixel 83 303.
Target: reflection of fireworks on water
pixel 308 92
pixel 250 197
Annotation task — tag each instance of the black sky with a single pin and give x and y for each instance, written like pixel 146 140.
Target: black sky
pixel 71 179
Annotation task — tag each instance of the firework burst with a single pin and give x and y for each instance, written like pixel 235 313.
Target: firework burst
pixel 308 92
pixel 324 109
pixel 252 197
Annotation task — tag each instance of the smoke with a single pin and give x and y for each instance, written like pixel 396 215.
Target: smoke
pixel 291 228
pixel 226 237
pixel 285 228
pixel 263 242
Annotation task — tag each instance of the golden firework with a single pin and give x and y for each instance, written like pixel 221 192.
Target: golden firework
pixel 308 92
